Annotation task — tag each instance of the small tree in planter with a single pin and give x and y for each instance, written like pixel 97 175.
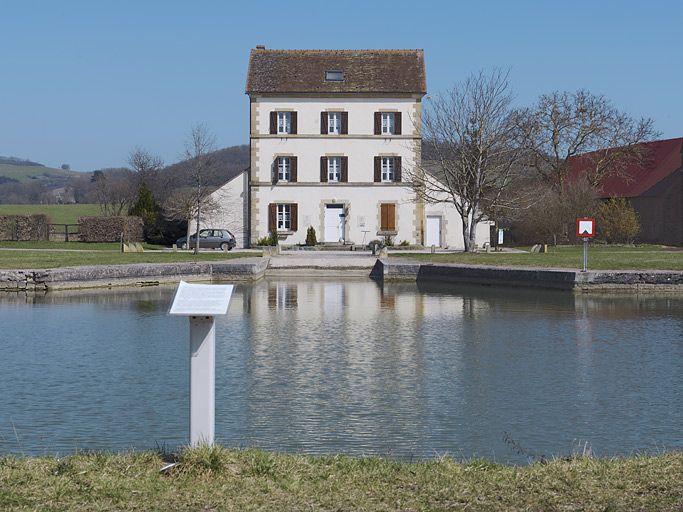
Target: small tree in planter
pixel 273 238
pixel 311 241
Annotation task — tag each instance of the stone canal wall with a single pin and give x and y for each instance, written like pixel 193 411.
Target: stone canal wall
pixel 564 279
pixel 251 269
pixel 138 274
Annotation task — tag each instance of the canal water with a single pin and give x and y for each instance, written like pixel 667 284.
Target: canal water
pixel 321 366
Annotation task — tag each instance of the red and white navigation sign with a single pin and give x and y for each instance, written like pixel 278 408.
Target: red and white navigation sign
pixel 585 227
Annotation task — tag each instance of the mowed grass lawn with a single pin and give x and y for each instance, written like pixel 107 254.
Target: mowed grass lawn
pixel 600 257
pixel 244 480
pixel 58 213
pixel 54 259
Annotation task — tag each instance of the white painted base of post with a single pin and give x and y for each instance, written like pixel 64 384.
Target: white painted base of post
pixel 202 379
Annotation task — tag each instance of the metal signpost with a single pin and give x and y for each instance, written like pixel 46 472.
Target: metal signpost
pixel 585 228
pixel 201 303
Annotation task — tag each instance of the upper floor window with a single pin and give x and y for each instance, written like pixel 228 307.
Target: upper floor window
pixel 284 217
pixel 284 122
pixel 388 168
pixel 388 123
pixel 284 168
pixel 334 76
pixel 334 123
pixel 333 168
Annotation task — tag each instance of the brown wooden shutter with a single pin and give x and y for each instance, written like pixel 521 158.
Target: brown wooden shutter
pixel 273 171
pixel 383 217
pixel 292 168
pixel 273 123
pixel 272 218
pixel 397 168
pixel 323 169
pixel 345 169
pixel 397 123
pixel 293 120
pixel 344 123
pixel 378 123
pixel 378 169
pixel 324 123
pixel 391 217
pixel 294 216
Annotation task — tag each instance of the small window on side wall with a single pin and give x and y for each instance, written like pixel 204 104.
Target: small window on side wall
pixel 334 76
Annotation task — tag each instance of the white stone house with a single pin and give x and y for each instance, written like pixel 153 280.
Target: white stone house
pixel 331 133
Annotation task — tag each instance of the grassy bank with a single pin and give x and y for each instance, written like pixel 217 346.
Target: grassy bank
pixel 600 257
pixel 218 479
pixel 58 213
pixel 54 259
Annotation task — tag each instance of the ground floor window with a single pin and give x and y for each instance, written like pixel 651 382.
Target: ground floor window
pixel 284 217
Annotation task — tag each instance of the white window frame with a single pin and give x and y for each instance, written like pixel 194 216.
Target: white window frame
pixel 388 123
pixel 284 217
pixel 284 168
pixel 334 168
pixel 334 121
pixel 388 169
pixel 284 122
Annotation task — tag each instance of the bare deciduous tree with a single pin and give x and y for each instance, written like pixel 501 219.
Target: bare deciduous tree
pixel 114 189
pixel 145 165
pixel 182 205
pixel 198 148
pixel 472 151
pixel 563 125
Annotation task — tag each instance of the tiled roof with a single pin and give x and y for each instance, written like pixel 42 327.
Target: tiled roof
pixel 365 71
pixel 661 159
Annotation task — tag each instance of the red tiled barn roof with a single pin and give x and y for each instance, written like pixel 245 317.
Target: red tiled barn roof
pixel 663 157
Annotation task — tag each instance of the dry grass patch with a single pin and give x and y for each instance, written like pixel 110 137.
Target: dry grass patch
pixel 221 479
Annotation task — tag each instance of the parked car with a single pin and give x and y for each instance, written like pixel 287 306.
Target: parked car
pixel 209 239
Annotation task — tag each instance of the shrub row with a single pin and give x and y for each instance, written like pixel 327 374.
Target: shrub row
pixel 24 227
pixel 110 229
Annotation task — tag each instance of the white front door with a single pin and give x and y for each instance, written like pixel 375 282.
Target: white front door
pixel 334 223
pixel 433 236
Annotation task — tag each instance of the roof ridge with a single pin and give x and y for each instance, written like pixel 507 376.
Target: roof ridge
pixel 338 50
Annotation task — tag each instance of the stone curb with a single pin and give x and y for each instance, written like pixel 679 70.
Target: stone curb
pixel 564 279
pixel 134 274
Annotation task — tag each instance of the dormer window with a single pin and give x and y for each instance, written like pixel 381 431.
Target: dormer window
pixel 334 76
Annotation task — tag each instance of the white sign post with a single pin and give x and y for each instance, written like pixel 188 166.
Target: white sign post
pixel 585 228
pixel 201 303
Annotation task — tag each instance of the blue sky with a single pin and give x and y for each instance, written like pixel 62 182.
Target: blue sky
pixel 82 82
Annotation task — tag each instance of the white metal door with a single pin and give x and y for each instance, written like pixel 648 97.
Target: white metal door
pixel 334 223
pixel 433 232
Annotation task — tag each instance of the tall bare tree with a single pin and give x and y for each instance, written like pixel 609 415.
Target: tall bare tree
pixel 563 125
pixel 145 165
pixel 114 189
pixel 181 205
pixel 471 150
pixel 199 146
